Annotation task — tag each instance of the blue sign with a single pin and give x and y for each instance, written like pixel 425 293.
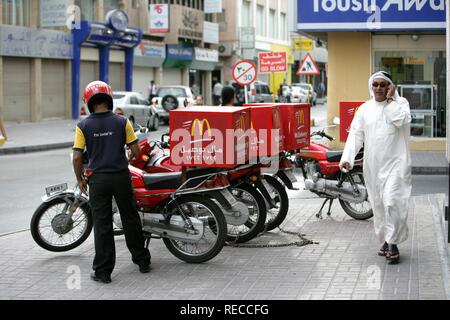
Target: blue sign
pixel 180 53
pixel 371 15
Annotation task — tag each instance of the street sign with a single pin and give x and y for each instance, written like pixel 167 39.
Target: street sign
pixel 308 66
pixel 272 62
pixel 244 72
pixel 247 38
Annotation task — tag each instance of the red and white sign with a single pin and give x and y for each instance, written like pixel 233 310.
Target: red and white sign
pixel 244 72
pixel 270 62
pixel 347 110
pixel 159 18
pixel 308 67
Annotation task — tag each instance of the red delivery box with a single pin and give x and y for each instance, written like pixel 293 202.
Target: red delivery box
pixel 267 138
pixel 347 111
pixel 209 136
pixel 296 121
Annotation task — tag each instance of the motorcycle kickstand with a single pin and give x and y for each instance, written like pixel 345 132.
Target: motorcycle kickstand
pixel 319 214
pixel 329 207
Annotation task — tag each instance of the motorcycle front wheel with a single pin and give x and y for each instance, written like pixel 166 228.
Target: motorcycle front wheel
pixel 254 201
pixel 214 232
pixel 358 211
pixel 53 229
pixel 279 194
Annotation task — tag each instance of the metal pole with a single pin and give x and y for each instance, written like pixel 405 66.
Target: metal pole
pixel 447 14
pixel 309 81
pixel 246 94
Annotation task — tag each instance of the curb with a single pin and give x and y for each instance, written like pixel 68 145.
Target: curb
pixel 28 149
pixel 430 171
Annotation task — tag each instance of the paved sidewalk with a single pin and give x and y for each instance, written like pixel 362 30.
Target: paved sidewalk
pixel 342 265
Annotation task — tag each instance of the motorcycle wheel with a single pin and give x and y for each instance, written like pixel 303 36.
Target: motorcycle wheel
pixel 248 195
pixel 358 211
pixel 276 216
pixel 52 231
pixel 215 230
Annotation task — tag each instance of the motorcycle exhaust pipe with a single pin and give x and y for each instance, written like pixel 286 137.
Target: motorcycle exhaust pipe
pixel 175 229
pixel 345 192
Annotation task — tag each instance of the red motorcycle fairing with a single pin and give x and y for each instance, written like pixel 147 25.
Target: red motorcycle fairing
pixel 318 152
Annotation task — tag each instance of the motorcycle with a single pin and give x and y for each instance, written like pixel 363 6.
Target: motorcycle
pixel 182 214
pixel 322 176
pixel 245 219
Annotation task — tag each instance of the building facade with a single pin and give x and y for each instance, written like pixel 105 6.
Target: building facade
pixel 405 38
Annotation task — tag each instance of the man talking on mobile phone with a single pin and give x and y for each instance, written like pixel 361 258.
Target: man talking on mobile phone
pixel 382 125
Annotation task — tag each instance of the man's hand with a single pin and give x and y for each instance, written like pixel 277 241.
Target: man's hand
pixel 82 184
pixel 345 165
pixel 391 91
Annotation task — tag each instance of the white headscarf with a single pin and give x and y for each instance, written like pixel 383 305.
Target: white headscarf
pixel 382 75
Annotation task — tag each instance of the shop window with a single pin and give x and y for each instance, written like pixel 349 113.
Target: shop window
pixel 16 12
pixel 260 21
pixel 421 79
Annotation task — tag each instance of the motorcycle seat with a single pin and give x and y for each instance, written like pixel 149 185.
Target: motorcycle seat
pixel 162 181
pixel 335 156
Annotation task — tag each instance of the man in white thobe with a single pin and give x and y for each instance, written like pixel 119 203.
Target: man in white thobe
pixel 382 125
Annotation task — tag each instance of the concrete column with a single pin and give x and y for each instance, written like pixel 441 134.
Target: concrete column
pixel 98 11
pixel 208 88
pixel 349 69
pixel 36 90
pixel 68 89
pixel 185 77
pixel 158 76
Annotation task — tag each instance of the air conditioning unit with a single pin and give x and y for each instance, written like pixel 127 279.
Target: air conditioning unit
pixel 226 49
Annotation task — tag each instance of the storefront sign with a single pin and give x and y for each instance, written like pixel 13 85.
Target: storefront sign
pixel 332 15
pixel 347 111
pixel 213 6
pixel 415 60
pixel 210 32
pixel 159 18
pixel 26 42
pixel 303 44
pixel 191 24
pixel 206 55
pixel 150 49
pixel 177 52
pixel 54 13
pixel 272 62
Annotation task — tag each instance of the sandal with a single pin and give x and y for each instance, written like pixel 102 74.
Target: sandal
pixel 393 255
pixel 384 249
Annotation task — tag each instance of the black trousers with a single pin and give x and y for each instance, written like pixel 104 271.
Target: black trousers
pixel 102 187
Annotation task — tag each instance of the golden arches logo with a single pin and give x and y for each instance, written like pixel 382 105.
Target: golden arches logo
pixel 240 123
pixel 300 116
pixel 201 127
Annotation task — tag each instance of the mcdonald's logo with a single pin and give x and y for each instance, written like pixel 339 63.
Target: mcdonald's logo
pixel 201 127
pixel 300 115
pixel 240 123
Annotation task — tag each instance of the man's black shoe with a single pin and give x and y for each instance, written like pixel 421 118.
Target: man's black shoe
pixel 101 278
pixel 144 268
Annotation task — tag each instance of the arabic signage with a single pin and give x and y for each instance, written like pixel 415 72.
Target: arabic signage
pixel 54 13
pixel 347 110
pixel 26 42
pixel 272 62
pixel 181 53
pixel 206 55
pixel 159 18
pixel 332 15
pixel 210 32
pixel 303 44
pixel 191 26
pixel 213 6
pixel 150 49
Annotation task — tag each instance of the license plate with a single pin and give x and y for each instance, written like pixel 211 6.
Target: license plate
pixel 56 189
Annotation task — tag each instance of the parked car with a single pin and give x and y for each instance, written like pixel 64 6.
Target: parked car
pixel 258 92
pixel 312 92
pixel 298 95
pixel 170 98
pixel 133 106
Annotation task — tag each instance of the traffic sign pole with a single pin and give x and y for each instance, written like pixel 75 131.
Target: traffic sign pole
pixel 246 94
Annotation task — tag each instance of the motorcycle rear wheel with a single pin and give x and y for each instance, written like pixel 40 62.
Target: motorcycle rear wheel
pixel 276 216
pixel 358 211
pixel 250 196
pixel 214 224
pixel 67 235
